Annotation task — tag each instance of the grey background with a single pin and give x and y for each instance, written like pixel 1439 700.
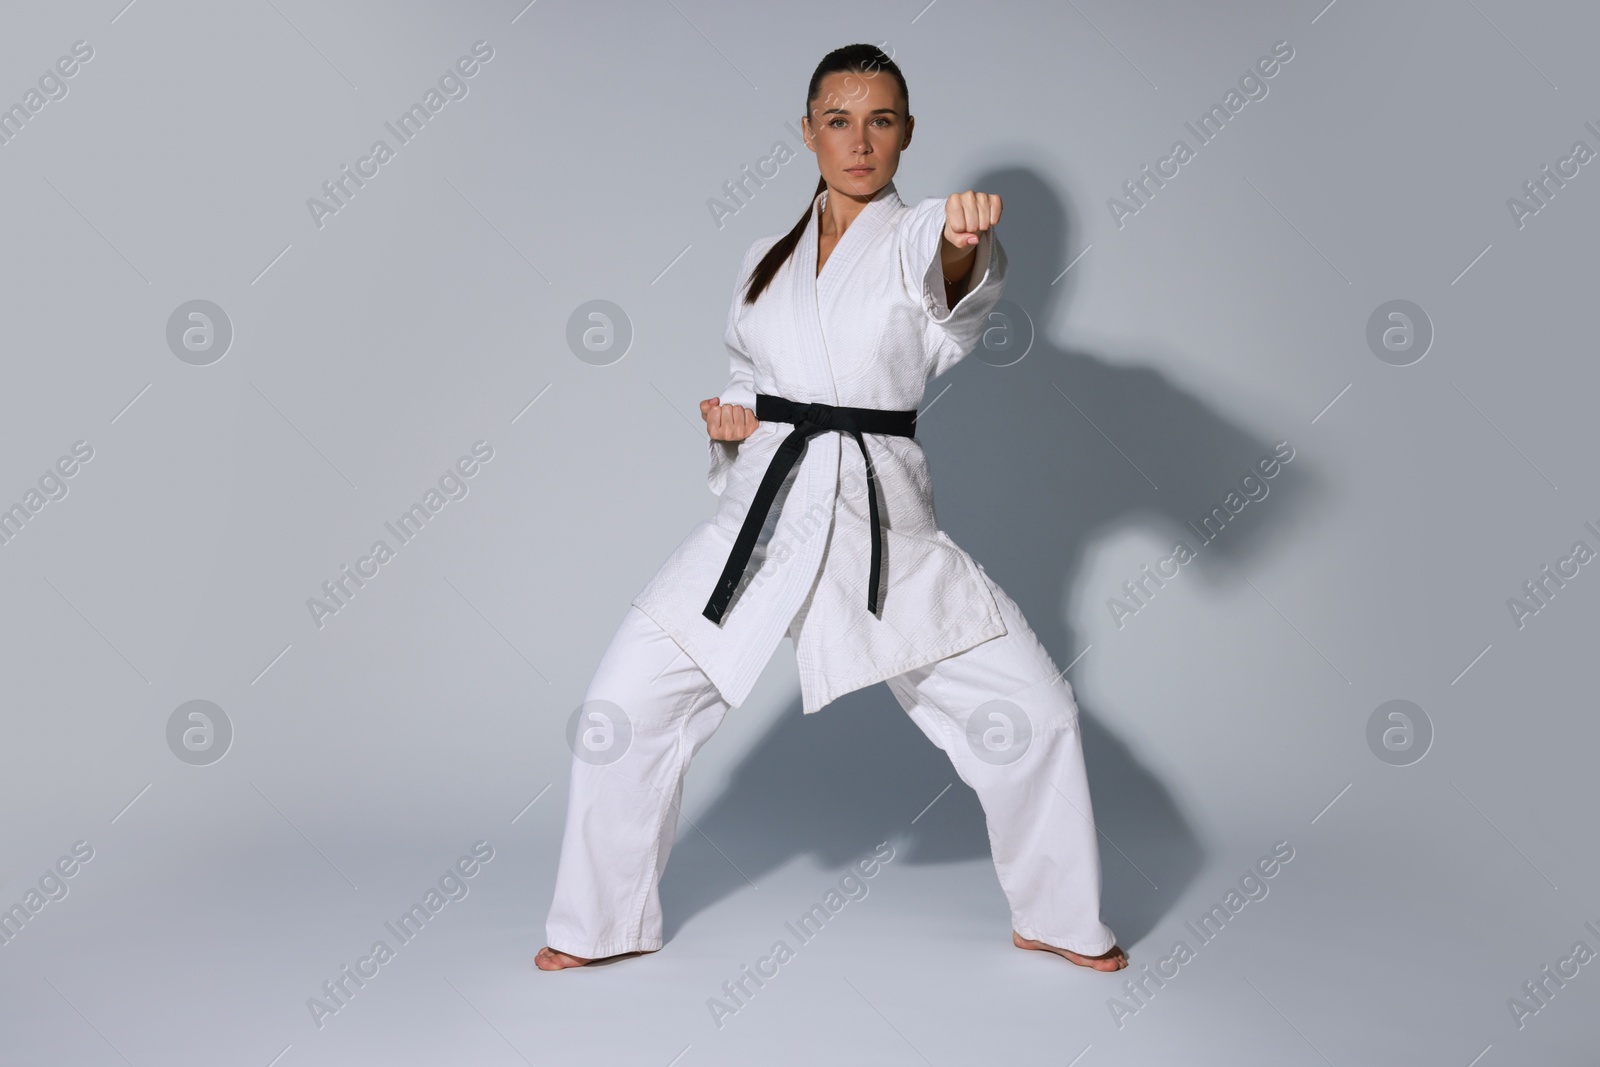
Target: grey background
pixel 1230 713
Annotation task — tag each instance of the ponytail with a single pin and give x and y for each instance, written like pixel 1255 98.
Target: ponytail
pixel 780 252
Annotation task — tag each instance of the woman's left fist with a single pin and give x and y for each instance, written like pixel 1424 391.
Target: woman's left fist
pixel 968 214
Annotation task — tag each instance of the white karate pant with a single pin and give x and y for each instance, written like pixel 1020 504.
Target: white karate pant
pixel 622 815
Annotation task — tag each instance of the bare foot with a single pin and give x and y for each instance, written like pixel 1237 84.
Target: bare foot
pixel 550 959
pixel 1112 960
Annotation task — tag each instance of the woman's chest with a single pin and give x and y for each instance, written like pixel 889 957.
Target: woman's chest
pixel 856 330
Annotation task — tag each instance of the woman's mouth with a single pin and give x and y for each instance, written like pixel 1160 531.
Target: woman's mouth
pixel 858 171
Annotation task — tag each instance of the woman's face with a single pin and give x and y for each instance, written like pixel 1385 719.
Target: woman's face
pixel 857 127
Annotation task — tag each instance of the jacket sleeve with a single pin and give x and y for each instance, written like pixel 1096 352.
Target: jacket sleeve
pixel 741 373
pixel 951 332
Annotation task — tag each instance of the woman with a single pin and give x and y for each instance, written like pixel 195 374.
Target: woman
pixel 825 532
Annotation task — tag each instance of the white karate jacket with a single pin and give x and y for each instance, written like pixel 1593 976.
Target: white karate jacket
pixel 868 332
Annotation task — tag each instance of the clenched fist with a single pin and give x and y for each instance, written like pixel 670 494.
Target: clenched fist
pixel 968 214
pixel 727 422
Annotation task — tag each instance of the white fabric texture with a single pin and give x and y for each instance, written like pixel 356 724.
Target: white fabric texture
pixel 625 790
pixel 869 331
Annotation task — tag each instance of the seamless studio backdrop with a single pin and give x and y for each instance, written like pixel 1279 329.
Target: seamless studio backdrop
pixel 231 369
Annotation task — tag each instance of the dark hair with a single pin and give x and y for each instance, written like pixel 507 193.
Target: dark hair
pixel 865 59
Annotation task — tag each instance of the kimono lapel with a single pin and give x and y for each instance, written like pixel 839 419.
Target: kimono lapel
pixel 858 237
pixel 809 292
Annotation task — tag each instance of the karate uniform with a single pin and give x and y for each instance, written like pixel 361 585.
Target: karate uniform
pixel 867 333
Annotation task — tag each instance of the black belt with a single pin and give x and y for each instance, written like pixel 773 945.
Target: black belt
pixel 809 420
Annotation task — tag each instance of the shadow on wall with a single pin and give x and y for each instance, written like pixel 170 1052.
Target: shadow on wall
pixel 1025 482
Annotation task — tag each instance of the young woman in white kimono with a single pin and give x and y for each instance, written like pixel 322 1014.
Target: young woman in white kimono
pixel 833 332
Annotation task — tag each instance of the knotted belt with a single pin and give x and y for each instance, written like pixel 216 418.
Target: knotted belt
pixel 809 420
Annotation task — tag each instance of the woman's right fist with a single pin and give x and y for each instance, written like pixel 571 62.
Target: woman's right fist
pixel 727 422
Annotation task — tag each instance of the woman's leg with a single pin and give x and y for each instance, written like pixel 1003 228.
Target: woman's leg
pixel 647 711
pixel 1009 723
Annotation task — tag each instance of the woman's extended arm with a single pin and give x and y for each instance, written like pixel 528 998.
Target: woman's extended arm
pixel 943 236
pixel 967 216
